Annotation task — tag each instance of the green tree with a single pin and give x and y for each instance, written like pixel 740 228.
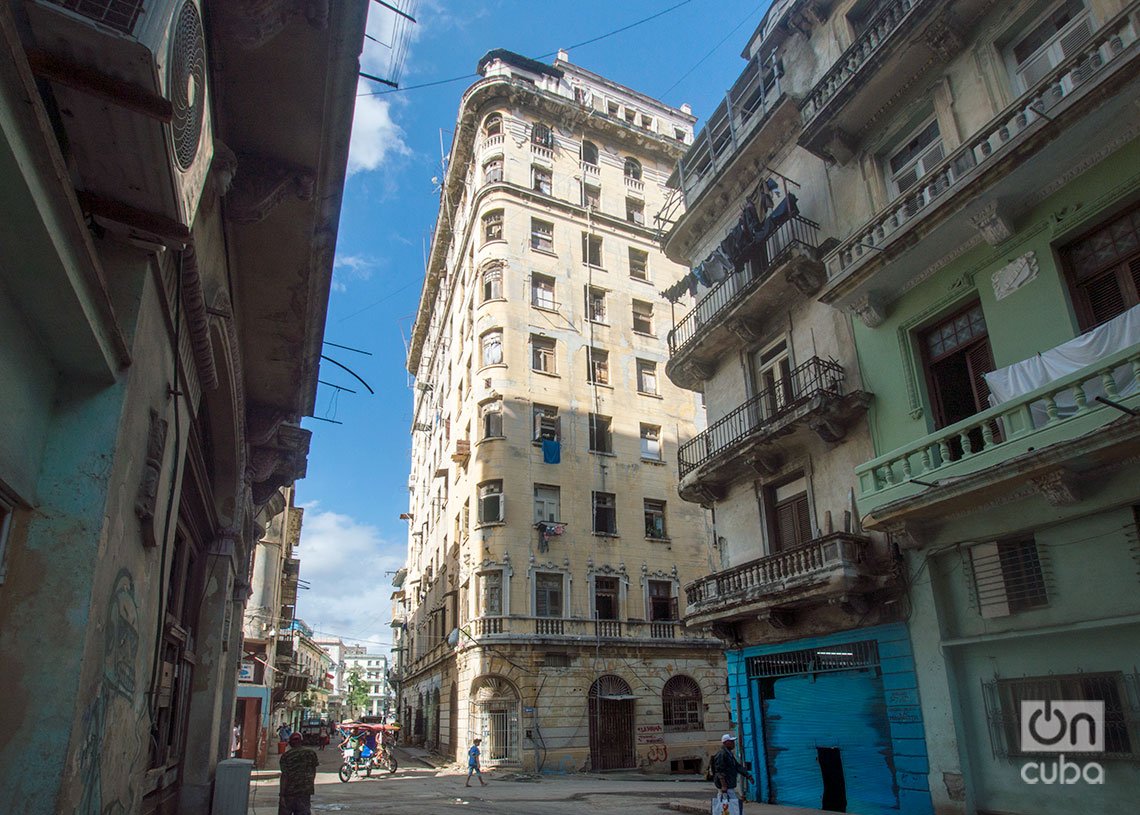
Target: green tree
pixel 357 696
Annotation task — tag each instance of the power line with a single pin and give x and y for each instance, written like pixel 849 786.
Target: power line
pixel 582 44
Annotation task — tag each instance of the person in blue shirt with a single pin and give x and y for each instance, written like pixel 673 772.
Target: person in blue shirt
pixel 473 764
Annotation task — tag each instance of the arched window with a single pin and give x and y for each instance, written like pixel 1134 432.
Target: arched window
pixel 681 706
pixel 493 226
pixel 492 282
pixel 633 169
pixel 541 136
pixel 589 153
pixel 493 125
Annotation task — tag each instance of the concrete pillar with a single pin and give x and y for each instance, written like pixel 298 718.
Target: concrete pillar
pixel 214 675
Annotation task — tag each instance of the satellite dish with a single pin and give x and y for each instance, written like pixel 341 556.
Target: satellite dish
pixel 453 637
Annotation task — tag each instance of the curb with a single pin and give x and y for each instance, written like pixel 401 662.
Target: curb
pixel 688 806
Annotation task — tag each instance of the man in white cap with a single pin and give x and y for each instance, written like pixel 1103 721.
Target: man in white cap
pixel 726 768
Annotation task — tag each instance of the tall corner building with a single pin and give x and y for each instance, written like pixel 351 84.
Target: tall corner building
pixel 548 547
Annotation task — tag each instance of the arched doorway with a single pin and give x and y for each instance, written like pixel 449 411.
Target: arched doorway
pixel 612 710
pixel 495 719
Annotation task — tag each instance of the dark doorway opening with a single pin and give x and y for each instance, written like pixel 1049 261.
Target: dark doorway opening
pixel 834 785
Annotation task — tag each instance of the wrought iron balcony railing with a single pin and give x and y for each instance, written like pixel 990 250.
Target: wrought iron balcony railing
pixel 794 232
pixel 773 574
pixel 814 378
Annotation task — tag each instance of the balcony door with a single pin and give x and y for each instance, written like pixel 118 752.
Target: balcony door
pixel 1103 270
pixel 957 356
pixel 771 373
pixel 789 515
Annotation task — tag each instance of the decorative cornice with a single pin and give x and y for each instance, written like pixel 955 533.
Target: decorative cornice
pixel 262 183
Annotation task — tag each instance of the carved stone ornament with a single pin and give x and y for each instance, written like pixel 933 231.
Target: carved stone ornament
pixel 906 535
pixel 766 463
pixel 869 309
pixel 152 472
pixel 943 37
pixel 992 225
pixel 253 23
pixel 1057 487
pixel 805 273
pixel 278 462
pixel 1014 275
pixel 744 329
pixel 697 371
pixel 827 428
pixel 261 184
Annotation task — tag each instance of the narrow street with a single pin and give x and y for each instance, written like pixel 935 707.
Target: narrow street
pixel 417 789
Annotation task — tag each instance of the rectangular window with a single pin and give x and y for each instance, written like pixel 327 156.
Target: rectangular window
pixel 789 516
pixel 1054 37
pixel 957 356
pixel 642 317
pixel 651 442
pixel 492 347
pixel 493 283
pixel 598 372
pixel 591 196
pixel 635 211
pixel 917 157
pixel 491 594
pixel 465 520
pixel 630 115
pixel 541 235
pixel 493 171
pixel 591 249
pixel 547 594
pixel 491 502
pixel 493 226
pixel 613 109
pixel 605 513
pixel 547 425
pixel 662 603
pixel 647 121
pixel 605 598
pixel 638 264
pixel 541 180
pixel 542 291
pixel 547 503
pixel 601 434
pixel 1008 577
pixel 655 519
pixel 771 373
pixel 492 415
pixel 595 304
pixel 647 377
pixel 542 357
pixel 1103 270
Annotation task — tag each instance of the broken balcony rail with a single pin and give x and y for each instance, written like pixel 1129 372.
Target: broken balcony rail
pixel 773 573
pixel 992 141
pixel 815 378
pixel 1026 423
pixel 795 231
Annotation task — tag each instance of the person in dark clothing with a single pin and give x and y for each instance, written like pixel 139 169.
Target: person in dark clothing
pixel 298 771
pixel 726 769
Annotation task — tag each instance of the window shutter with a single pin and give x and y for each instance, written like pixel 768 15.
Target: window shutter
pixel 1134 273
pixel 803 520
pixel 1104 296
pixel 980 360
pixel 786 526
pixel 1078 36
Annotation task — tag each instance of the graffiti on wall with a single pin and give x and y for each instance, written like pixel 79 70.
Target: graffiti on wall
pixel 112 723
pixel 656 754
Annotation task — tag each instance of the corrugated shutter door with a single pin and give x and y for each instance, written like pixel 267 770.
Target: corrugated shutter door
pixel 845 710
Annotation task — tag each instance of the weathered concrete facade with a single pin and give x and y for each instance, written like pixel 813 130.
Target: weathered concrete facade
pixel 540 605
pixel 145 422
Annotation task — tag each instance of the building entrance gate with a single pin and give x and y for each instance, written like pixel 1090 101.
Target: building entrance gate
pixel 612 711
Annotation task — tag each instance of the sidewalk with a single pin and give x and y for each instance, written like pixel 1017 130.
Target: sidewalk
pixel 750 808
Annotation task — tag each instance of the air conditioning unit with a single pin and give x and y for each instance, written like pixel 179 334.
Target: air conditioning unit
pixel 143 173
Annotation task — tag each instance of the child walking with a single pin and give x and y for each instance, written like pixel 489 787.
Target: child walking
pixel 473 764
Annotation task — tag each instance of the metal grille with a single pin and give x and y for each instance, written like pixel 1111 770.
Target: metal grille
pixel 1007 577
pixel 1120 693
pixel 120 15
pixel 681 704
pixel 848 656
pixel 187 83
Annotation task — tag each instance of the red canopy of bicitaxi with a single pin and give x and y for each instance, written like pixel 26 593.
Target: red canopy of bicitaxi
pixel 378 728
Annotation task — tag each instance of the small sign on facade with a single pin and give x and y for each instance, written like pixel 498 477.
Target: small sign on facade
pixel 245 671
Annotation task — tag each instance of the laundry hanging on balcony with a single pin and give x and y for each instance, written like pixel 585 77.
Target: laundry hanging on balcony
pixel 551 451
pixel 546 531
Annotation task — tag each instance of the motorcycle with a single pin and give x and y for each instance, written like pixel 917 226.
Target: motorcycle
pixel 383 758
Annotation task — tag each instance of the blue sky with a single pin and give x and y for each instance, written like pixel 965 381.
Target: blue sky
pixel 356 486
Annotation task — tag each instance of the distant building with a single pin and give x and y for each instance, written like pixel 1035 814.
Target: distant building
pixel 373 670
pixel 542 601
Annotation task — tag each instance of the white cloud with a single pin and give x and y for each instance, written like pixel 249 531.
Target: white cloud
pixel 347 563
pixel 375 136
pixel 350 268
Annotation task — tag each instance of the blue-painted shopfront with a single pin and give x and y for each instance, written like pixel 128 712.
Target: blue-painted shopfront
pixel 833 722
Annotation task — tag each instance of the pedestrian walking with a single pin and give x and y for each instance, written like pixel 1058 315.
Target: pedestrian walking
pixel 284 732
pixel 473 764
pixel 726 768
pixel 298 771
pixel 324 736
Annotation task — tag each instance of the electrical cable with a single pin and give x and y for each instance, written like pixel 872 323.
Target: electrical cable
pixel 712 50
pixel 582 44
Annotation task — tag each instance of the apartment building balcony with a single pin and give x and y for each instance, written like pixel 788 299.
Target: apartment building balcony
pixel 832 568
pixel 567 630
pixel 592 173
pixel 736 309
pixel 904 40
pixel 1048 441
pixel 491 143
pixel 1067 121
pixel 756 436
pixel 749 124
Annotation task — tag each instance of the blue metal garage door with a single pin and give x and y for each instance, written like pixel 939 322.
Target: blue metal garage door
pixel 833 725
